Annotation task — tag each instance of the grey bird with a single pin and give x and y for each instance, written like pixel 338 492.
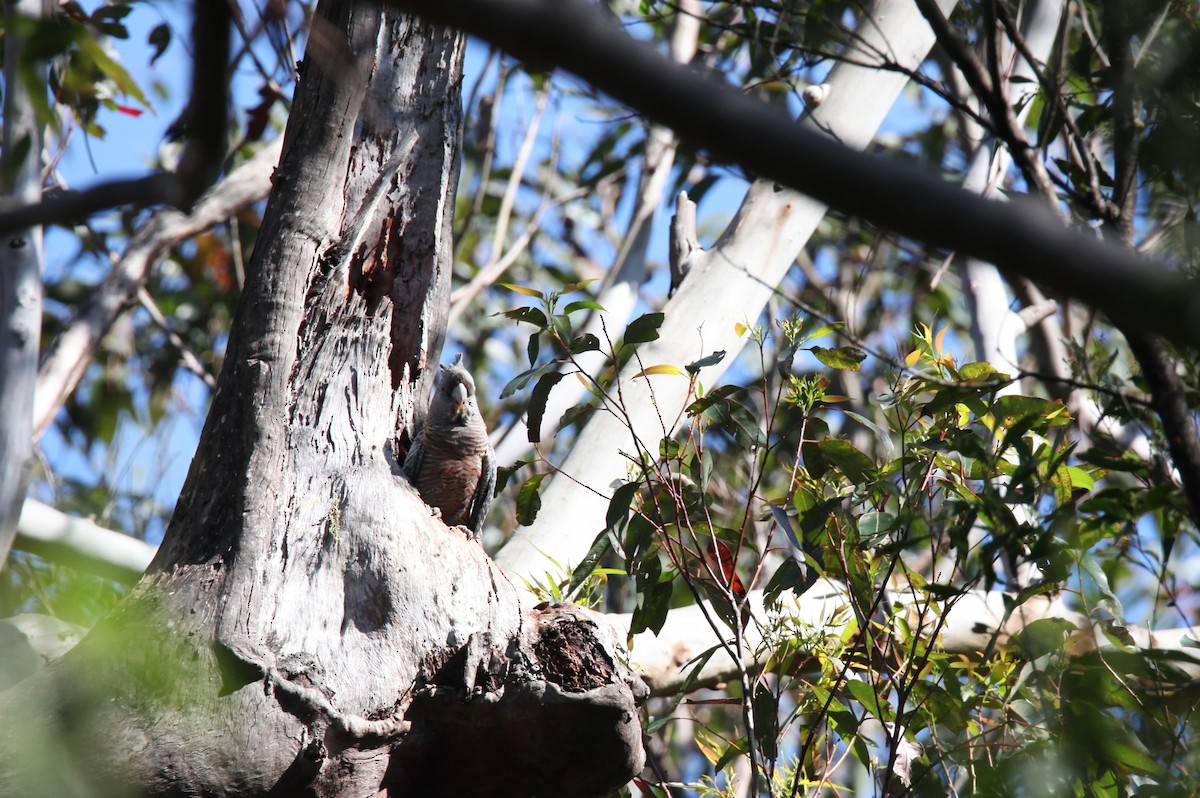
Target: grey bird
pixel 451 462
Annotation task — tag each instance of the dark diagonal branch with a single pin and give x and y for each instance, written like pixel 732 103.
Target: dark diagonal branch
pixel 1158 368
pixel 1169 399
pixel 1021 239
pixel 157 189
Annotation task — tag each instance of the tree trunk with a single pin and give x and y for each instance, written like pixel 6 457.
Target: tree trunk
pixel 307 624
pixel 20 278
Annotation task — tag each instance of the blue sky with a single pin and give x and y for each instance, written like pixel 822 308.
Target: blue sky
pixel 154 461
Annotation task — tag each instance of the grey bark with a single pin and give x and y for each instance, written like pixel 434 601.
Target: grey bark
pixel 307 627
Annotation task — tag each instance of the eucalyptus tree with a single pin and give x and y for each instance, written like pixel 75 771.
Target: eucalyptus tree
pixel 901 526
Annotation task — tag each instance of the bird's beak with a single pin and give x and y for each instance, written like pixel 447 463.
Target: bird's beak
pixel 460 396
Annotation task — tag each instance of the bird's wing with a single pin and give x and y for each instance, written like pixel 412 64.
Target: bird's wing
pixel 485 491
pixel 414 459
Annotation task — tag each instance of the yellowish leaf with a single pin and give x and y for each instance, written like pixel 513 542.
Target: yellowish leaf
pixel 520 289
pixel 937 344
pixel 662 368
pixel 709 747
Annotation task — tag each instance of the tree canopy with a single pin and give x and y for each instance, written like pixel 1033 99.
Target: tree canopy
pixel 842 359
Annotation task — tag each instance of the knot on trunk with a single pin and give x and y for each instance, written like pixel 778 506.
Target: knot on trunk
pixel 553 713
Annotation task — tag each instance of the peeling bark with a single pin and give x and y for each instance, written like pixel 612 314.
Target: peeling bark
pixel 552 714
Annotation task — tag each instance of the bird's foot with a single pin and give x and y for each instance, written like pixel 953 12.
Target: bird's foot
pixel 466 530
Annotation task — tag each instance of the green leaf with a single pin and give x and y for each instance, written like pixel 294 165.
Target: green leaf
pixel 643 328
pixel 711 360
pixel 528 315
pixel 529 500
pixel 1042 636
pixel 876 705
pixel 577 413
pixel 533 348
pixel 584 343
pixel 737 748
pixel 845 358
pixel 1063 488
pixel 1081 479
pixel 791 575
pixel 1127 750
pixel 1109 601
pixel 939 707
pixel 850 461
pixel 521 380
pixel 785 523
pixel 571 288
pixel 766 720
pixel 505 473
pixel 874 527
pixel 111 69
pixel 639 540
pixel 601 546
pixel 1111 739
pixel 1039 414
pixel 653 604
pixel 813 328
pixel 885 438
pixel 976 371
pixel 582 304
pixel 1119 635
pixel 714 397
pixel 537 404
pixel 695 669
pixel 651 728
pixel 699 468
pixel 811 513
pixel 738 421
pixel 110 13
pixel 561 324
pixel 617 516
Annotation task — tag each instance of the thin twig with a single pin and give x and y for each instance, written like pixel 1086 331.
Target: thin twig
pixel 899 196
pixel 64 362
pixel 991 92
pixel 190 361
pixel 1080 152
